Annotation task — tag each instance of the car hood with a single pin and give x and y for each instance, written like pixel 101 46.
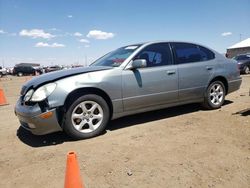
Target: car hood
pixel 53 76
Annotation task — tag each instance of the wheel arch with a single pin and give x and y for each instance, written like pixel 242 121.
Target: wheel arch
pixel 73 95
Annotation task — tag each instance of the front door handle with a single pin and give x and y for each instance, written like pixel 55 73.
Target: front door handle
pixel 171 72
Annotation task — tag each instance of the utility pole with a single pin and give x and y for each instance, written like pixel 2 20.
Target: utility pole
pixel 86 61
pixel 3 62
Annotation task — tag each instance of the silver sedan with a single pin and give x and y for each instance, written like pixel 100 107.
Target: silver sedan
pixel 132 79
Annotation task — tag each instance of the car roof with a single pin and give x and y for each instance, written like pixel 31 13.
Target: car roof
pixel 166 41
pixel 170 41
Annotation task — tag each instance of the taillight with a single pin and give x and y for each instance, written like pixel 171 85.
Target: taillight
pixel 238 66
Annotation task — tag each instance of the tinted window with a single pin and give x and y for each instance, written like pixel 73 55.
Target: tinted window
pixel 156 55
pixel 188 53
pixel 206 53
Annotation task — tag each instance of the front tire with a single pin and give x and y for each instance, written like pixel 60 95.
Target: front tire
pixel 215 95
pixel 86 117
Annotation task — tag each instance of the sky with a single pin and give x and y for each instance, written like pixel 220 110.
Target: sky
pixel 67 32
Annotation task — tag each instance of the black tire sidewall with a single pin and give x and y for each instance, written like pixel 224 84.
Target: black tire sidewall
pixel 68 126
pixel 208 101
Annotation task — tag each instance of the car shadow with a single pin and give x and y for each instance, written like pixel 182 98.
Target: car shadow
pixel 156 115
pixel 245 112
pixel 60 137
pixel 41 141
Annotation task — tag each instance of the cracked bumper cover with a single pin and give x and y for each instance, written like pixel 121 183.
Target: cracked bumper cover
pixel 32 119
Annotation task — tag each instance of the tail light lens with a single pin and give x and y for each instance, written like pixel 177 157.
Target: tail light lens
pixel 238 66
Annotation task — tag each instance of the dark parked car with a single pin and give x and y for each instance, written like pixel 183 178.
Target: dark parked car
pixel 53 68
pixel 21 70
pixel 243 63
pixel 132 79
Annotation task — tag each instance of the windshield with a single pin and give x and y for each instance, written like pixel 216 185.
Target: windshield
pixel 115 58
pixel 242 57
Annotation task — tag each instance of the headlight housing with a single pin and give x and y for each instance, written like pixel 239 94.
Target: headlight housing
pixel 41 93
pixel 28 95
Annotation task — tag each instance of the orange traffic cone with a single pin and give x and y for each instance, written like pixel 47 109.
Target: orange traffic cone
pixel 72 175
pixel 2 98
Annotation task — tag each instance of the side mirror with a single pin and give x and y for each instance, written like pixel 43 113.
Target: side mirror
pixel 138 63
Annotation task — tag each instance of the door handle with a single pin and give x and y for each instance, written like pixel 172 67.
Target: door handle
pixel 171 72
pixel 209 68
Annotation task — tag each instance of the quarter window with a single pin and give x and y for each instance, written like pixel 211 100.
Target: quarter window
pixel 189 53
pixel 206 53
pixel 156 55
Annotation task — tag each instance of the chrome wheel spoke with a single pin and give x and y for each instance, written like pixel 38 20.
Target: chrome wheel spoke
pixel 93 108
pixel 80 126
pixel 91 126
pixel 218 87
pixel 88 113
pixel 77 116
pixel 98 116
pixel 212 94
pixel 83 107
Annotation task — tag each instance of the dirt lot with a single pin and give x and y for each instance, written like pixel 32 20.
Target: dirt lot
pixel 184 146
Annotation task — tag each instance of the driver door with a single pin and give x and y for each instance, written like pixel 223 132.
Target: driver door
pixel 156 84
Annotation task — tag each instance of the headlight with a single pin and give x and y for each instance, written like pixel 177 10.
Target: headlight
pixel 43 92
pixel 28 95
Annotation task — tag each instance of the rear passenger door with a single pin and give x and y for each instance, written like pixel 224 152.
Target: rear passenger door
pixel 195 68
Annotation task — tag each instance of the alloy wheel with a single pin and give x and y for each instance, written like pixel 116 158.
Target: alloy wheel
pixel 216 94
pixel 87 116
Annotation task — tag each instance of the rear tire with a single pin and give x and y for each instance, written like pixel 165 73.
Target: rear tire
pixel 246 70
pixel 86 117
pixel 19 74
pixel 215 95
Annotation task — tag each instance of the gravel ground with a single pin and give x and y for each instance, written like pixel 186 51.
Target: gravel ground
pixel 183 146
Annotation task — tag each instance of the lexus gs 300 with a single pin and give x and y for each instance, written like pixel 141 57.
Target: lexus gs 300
pixel 132 79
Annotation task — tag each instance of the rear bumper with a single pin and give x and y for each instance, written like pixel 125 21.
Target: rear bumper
pixel 33 120
pixel 234 85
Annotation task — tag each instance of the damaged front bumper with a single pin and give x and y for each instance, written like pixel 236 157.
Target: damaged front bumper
pixel 34 120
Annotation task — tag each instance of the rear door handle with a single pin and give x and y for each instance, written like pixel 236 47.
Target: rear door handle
pixel 171 72
pixel 209 68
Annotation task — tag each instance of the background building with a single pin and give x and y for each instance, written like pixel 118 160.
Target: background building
pixel 239 48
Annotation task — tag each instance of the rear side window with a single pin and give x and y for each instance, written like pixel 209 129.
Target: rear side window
pixel 189 53
pixel 156 55
pixel 206 53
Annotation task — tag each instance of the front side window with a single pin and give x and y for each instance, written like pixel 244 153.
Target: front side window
pixel 116 58
pixel 156 55
pixel 189 53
